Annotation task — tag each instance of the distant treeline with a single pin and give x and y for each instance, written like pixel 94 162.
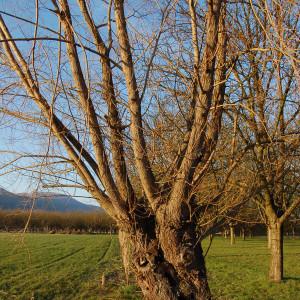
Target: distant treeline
pixel 56 222
pixel 291 228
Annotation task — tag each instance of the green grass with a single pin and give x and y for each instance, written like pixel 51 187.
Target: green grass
pixel 240 271
pixel 46 266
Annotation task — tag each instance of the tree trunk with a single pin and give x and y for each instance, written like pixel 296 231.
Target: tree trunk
pixel 125 253
pixel 269 238
pixel 243 234
pixel 141 255
pixel 168 265
pixel 225 233
pixel 159 280
pixel 250 233
pixel 276 263
pixel 293 232
pixel 155 283
pixel 182 249
pixel 232 235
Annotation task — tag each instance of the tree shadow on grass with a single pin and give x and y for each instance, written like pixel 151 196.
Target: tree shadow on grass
pixel 286 278
pixel 244 254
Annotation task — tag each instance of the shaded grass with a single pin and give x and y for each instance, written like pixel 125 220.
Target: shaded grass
pixel 57 267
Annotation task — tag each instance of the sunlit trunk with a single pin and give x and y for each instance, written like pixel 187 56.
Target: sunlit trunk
pixel 276 263
pixel 125 253
pixel 183 250
pixel 232 235
pixel 170 266
pixel 269 238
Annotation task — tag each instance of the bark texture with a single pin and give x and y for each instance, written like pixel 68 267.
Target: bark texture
pixel 276 263
pixel 269 238
pixel 168 263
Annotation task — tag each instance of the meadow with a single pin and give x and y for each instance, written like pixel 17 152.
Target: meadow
pixel 44 266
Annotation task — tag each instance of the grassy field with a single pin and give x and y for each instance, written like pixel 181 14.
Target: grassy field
pixel 42 266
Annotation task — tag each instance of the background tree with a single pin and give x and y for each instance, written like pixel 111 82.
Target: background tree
pixel 269 111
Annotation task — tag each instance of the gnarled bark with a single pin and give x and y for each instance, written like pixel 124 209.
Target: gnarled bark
pixel 167 262
pixel 183 278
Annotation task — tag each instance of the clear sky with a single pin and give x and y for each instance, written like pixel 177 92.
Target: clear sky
pixel 23 138
pixel 15 137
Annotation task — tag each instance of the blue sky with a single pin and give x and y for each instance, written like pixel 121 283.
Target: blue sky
pixel 13 136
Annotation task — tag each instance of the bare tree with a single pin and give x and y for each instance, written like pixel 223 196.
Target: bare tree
pixel 268 106
pixel 95 123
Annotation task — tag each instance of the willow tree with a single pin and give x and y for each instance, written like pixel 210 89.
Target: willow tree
pixel 87 88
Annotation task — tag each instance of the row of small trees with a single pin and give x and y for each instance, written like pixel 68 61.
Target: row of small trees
pixel 43 221
pixel 99 222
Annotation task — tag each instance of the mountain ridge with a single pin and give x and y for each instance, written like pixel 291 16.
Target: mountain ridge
pixel 43 201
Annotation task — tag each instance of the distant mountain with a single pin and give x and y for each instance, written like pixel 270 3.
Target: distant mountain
pixel 10 201
pixel 43 201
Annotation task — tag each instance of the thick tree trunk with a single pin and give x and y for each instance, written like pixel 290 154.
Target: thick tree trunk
pixel 142 257
pixel 168 265
pixel 276 263
pixel 159 280
pixel 182 249
pixel 125 253
pixel 155 284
